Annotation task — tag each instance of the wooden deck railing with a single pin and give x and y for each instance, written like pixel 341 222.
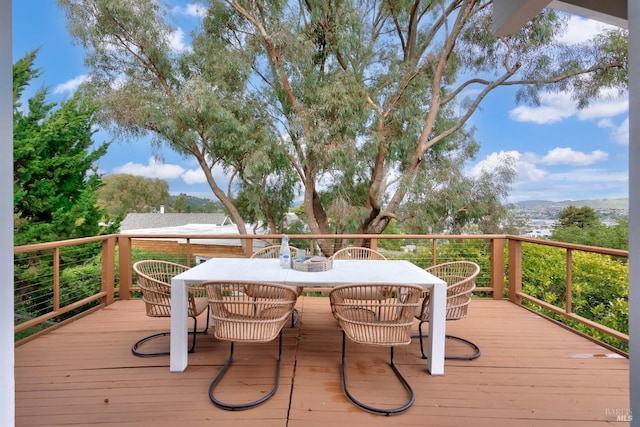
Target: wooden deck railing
pixel 501 264
pixel 516 294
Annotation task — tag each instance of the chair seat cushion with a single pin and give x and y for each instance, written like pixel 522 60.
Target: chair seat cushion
pixel 200 304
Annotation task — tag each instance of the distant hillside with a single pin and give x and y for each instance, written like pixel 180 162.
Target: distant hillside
pixel 597 204
pixel 198 204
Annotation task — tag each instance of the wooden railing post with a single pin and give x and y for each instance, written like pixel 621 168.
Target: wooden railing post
pixel 434 251
pixel 568 280
pixel 124 261
pixel 515 271
pixel 56 279
pixel 108 269
pixel 497 268
pixel 248 247
pixel 188 254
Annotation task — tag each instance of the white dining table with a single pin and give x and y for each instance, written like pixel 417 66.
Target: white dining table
pixel 343 272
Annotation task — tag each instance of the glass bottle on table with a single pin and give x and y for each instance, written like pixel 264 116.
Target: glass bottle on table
pixel 285 253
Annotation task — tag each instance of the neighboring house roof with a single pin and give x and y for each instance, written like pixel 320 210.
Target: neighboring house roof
pixel 186 224
pixel 138 221
pixel 192 229
pixel 183 224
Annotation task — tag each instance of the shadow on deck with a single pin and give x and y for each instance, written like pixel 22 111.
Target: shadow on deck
pixel 531 373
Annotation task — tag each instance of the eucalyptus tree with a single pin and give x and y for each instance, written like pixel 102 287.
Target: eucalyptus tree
pixel 360 100
pixel 443 200
pixel 192 100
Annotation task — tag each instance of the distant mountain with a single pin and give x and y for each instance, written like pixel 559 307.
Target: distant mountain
pixel 597 204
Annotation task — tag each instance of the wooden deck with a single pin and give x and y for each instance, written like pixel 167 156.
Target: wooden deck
pixel 531 373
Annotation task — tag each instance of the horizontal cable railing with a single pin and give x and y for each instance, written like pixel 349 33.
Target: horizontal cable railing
pixel 583 287
pixel 59 280
pixel 56 281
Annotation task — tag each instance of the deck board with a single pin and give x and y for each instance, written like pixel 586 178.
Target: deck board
pixel 531 373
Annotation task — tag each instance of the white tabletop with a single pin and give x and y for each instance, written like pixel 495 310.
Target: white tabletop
pixel 342 272
pixel 396 272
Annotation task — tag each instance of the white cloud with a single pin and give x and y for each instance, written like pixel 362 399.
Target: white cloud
pixel 555 107
pixel 524 166
pixel 176 41
pixel 576 184
pixel 197 10
pixel 580 30
pixel 608 105
pixel 619 133
pixel 590 176
pixel 568 156
pixel 71 85
pixel 536 181
pixel 155 169
pixel 177 38
pixel 194 176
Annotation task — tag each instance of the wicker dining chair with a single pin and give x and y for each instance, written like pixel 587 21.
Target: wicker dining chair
pixel 273 252
pixel 357 253
pixel 240 317
pixel 154 280
pixel 378 322
pixel 461 281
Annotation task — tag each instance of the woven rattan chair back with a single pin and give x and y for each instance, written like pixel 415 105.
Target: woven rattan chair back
pixel 273 252
pixel 361 253
pixel 358 253
pixel 461 281
pixel 154 280
pixel 378 315
pixel 366 319
pixel 240 317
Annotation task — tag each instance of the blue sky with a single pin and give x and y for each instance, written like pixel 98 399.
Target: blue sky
pixel 561 153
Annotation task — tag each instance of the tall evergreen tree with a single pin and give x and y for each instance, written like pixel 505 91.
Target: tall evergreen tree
pixel 54 176
pixel 580 217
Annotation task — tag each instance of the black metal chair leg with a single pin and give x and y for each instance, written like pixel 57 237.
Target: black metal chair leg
pixel 238 407
pixel 476 349
pixel 137 344
pixel 295 315
pixel 380 411
pixel 134 347
pixel 206 327
pixel 195 330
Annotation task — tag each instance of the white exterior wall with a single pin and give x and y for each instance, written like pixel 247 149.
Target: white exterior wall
pixel 634 209
pixel 7 361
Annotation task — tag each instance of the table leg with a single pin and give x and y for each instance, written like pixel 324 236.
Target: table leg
pixel 178 359
pixel 437 319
